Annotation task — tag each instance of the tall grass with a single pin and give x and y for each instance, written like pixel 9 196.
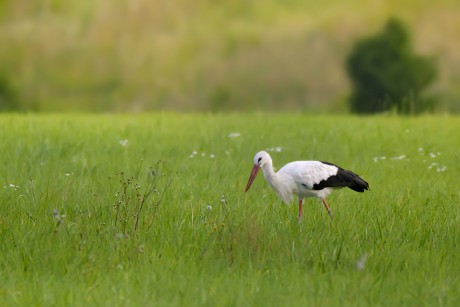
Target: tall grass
pixel 209 243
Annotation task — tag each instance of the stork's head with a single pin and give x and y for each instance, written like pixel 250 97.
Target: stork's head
pixel 260 160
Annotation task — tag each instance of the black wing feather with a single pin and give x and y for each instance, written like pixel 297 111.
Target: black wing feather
pixel 343 178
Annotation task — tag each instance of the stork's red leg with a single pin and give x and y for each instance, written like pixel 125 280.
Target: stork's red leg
pixel 327 208
pixel 300 207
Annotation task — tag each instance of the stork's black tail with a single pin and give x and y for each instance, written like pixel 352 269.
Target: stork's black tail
pixel 342 179
pixel 352 180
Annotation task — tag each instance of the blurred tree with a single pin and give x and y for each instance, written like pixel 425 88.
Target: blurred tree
pixel 8 99
pixel 386 74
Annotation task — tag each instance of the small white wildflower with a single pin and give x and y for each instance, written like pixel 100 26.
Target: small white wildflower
pixel 275 149
pixel 420 149
pixel 56 215
pixel 191 156
pixel 194 152
pixel 234 134
pixel 441 169
pixel 212 156
pixel 432 155
pixel 67 174
pixel 361 263
pixel 12 185
pixel 209 208
pixel 401 157
pixel 222 199
pixel 203 154
pixel 383 158
pixel 21 196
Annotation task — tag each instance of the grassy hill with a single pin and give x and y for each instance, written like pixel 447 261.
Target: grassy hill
pixel 207 55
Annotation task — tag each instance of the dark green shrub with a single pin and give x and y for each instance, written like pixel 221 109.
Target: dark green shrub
pixel 8 99
pixel 386 74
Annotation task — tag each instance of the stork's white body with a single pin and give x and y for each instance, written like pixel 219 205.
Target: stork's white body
pixel 298 178
pixel 305 179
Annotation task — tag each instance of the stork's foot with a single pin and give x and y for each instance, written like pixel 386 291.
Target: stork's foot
pixel 327 208
pixel 299 219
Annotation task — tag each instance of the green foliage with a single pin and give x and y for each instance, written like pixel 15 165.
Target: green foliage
pixel 213 55
pixel 220 98
pixel 139 197
pixel 386 73
pixel 8 97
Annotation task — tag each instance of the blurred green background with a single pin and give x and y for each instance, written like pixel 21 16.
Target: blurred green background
pixel 207 55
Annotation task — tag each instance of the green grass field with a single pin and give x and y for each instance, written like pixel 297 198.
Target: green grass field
pixel 74 231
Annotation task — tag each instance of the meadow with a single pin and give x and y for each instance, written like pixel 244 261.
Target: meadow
pixel 119 210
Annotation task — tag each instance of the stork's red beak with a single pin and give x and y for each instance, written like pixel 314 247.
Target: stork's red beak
pixel 253 175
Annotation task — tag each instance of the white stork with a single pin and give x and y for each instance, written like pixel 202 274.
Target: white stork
pixel 305 179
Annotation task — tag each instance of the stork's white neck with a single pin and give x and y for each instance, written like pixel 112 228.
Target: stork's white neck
pixel 276 183
pixel 270 174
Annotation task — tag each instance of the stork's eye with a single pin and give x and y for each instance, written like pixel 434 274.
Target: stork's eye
pixel 260 159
